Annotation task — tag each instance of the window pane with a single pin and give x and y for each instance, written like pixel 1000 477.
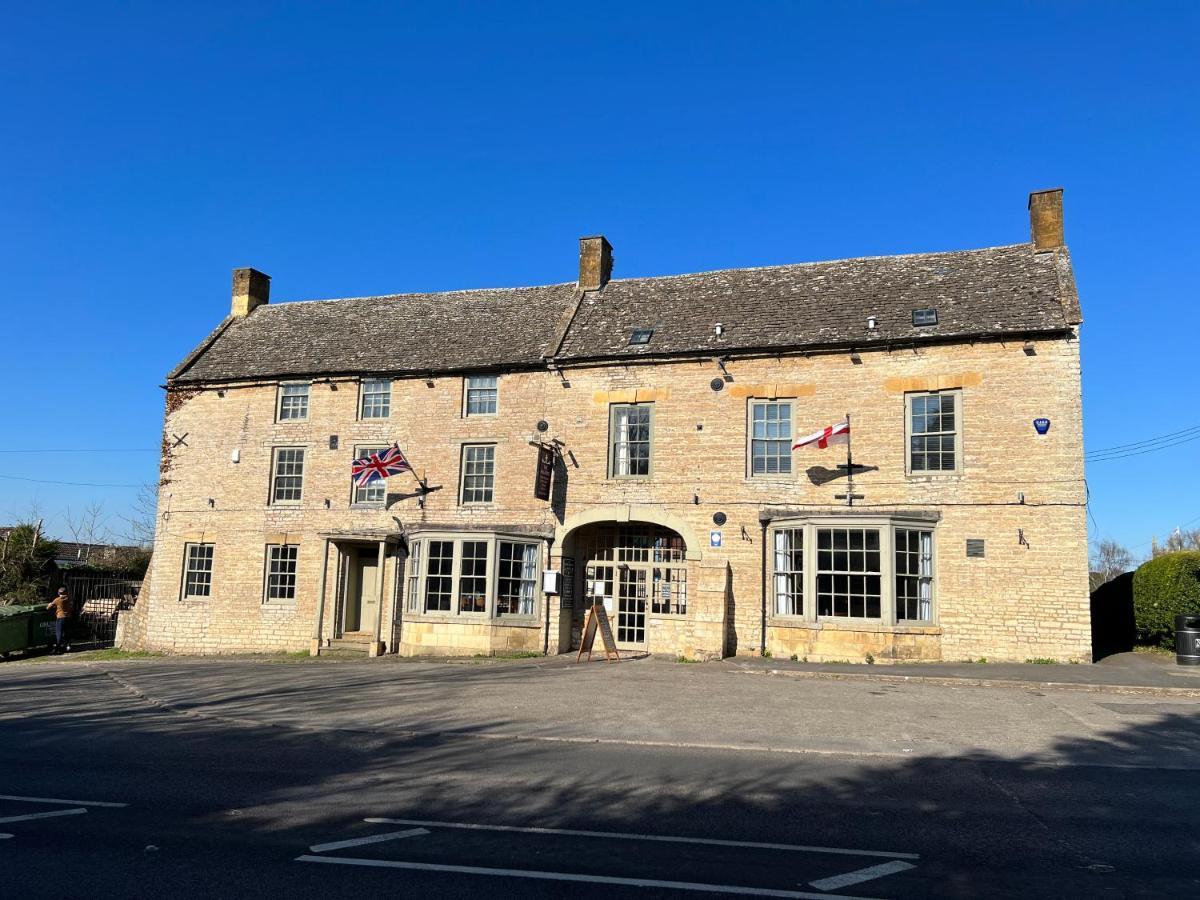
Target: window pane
pixel 789 572
pixel 932 427
pixel 478 473
pixel 281 571
pixel 914 575
pixel 631 440
pixel 375 491
pixel 482 394
pixel 289 475
pixel 438 574
pixel 198 562
pixel 472 578
pixel 293 401
pixel 376 399
pixel 848 577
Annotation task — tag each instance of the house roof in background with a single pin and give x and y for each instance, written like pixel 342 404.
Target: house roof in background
pixel 996 291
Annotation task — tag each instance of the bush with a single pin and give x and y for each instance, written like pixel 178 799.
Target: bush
pixel 1163 588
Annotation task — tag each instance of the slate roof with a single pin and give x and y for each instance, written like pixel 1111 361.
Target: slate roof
pixel 991 292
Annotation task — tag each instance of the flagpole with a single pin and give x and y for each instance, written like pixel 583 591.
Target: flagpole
pixel 849 464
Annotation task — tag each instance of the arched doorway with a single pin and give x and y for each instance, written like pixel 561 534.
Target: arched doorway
pixel 637 570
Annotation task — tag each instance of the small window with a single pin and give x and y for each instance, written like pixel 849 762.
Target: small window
pixel 472 577
pixel 770 437
pixel 629 446
pixel 281 571
pixel 376 402
pixel 641 335
pixel 414 575
pixel 439 579
pixel 482 392
pixel 670 592
pixel 914 575
pixel 924 317
pixel 197 571
pixel 933 432
pixel 293 403
pixel 789 572
pixel 516 580
pixel 848 573
pixel 375 492
pixel 478 473
pixel 287 477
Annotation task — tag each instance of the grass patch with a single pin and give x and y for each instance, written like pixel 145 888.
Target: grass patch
pixel 1151 650
pixel 1042 661
pixel 513 654
pixel 685 659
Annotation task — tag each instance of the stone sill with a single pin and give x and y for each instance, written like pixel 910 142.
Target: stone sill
pixel 855 625
pixel 475 619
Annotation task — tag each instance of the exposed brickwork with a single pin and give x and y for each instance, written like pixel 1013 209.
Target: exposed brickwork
pixel 1024 599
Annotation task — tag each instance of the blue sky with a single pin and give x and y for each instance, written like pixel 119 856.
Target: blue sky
pixel 374 148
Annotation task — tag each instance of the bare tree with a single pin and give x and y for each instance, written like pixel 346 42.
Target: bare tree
pixel 1109 559
pixel 89 528
pixel 143 517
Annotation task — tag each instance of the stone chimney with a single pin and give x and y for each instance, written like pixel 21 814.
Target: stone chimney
pixel 251 289
pixel 595 262
pixel 1046 219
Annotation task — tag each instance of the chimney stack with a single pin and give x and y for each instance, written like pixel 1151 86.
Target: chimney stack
pixel 1046 219
pixel 595 262
pixel 251 289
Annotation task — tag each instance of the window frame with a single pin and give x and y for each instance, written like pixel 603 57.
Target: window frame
pixel 612 444
pixel 267 599
pixel 420 553
pixel 280 419
pixel 790 402
pixel 362 399
pixel 354 489
pixel 272 487
pixel 188 546
pixel 468 388
pixel 887 527
pixel 933 582
pixel 958 434
pixel 462 475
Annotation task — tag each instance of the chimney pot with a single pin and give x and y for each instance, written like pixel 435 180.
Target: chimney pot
pixel 1046 219
pixel 251 289
pixel 595 262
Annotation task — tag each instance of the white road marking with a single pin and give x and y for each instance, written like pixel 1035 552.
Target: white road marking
pixel 5 837
pixel 860 875
pixel 45 815
pixel 669 839
pixel 584 879
pixel 373 839
pixel 63 802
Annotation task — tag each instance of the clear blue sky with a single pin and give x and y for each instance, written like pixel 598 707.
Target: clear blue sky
pixel 371 148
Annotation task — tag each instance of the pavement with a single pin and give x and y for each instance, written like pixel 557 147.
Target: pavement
pixel 231 777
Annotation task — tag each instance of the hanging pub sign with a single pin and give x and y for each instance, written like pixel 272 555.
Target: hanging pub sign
pixel 1041 425
pixel 545 472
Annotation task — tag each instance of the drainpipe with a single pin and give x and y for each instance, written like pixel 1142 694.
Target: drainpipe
pixel 762 646
pixel 315 647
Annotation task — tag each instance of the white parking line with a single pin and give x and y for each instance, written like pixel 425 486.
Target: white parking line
pixel 63 802
pixel 45 815
pixel 799 848
pixel 860 875
pixel 583 879
pixel 5 837
pixel 373 839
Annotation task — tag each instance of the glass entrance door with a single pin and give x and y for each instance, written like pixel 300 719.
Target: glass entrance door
pixel 631 607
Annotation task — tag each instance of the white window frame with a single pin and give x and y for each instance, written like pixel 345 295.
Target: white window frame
pixel 924 556
pixel 364 393
pixel 619 458
pixel 887 526
pixel 269 561
pixel 189 570
pixel 375 493
pixel 486 391
pixel 488 474
pixel 764 403
pixel 788 585
pixel 284 388
pixel 276 475
pixel 529 597
pixel 956 393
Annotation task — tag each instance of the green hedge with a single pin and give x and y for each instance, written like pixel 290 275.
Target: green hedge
pixel 1163 588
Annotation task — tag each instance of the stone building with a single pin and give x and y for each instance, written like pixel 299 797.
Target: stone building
pixel 664 410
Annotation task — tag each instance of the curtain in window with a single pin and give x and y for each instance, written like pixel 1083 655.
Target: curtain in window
pixel 528 579
pixel 621 445
pixel 782 595
pixel 925 608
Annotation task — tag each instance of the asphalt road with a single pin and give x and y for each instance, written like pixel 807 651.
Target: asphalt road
pixel 242 779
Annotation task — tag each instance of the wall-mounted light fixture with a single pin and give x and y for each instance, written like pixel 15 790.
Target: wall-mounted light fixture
pixel 211 502
pixel 856 359
pixel 1029 349
pixel 718 329
pixel 872 323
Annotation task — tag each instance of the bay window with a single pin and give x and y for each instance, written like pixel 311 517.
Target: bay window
pixel 480 575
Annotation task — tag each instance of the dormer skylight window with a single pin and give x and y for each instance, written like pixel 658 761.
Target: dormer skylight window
pixel 924 317
pixel 641 336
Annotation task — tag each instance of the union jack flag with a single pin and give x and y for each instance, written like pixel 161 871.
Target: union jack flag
pixel 379 465
pixel 832 434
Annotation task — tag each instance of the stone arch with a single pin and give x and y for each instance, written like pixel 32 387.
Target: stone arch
pixel 627 512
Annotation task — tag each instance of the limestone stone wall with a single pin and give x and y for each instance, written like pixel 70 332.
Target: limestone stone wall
pixel 1022 493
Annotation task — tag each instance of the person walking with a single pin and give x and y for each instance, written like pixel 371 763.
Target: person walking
pixel 61 604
